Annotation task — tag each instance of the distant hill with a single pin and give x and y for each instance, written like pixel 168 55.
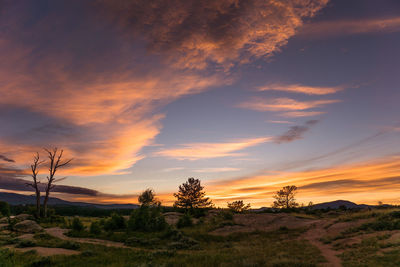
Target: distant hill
pixel 18 199
pixel 325 205
pixel 340 203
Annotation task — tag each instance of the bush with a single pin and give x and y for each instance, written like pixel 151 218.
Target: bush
pixel 4 209
pixel 148 219
pixel 45 261
pixel 26 244
pixel 185 221
pixel 116 222
pixel 70 245
pixel 77 225
pixel 95 228
pixel 226 215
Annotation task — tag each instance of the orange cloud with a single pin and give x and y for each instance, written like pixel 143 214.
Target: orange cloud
pixel 87 86
pixel 367 182
pixel 198 151
pixel 283 104
pixel 225 32
pixel 298 88
pixel 349 27
pixel 298 114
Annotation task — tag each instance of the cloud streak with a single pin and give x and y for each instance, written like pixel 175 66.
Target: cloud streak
pixel 303 89
pixel 367 181
pixel 295 132
pixel 196 151
pixel 4 158
pixel 324 29
pixel 283 104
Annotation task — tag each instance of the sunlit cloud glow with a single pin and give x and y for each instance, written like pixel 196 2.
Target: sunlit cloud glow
pixel 196 151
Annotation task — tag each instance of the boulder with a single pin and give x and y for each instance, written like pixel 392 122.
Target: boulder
pixel 22 217
pixel 4 220
pixel 3 226
pixel 172 217
pixel 27 226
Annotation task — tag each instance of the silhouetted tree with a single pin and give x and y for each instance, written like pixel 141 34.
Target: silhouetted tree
pixel 238 206
pixel 148 198
pixel 191 195
pixel 55 163
pixel 285 197
pixel 35 182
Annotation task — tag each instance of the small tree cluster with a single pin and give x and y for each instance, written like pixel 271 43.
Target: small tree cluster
pixel 238 206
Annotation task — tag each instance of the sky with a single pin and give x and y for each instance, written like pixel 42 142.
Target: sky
pixel 247 96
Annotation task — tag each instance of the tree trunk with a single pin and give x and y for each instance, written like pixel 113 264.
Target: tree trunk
pixel 37 203
pixel 46 198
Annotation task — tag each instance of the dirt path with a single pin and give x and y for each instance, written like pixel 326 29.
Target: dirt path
pixel 59 233
pixel 44 251
pixel 313 236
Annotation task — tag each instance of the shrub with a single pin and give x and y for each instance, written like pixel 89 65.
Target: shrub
pixel 70 245
pixel 4 209
pixel 185 221
pixel 77 225
pixel 116 222
pixel 26 244
pixel 226 215
pixel 95 228
pixel 45 261
pixel 238 206
pixel 147 219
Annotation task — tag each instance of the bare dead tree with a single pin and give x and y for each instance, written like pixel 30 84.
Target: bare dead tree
pixel 35 183
pixel 55 163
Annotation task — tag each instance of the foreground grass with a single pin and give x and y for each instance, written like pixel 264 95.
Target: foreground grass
pixel 280 248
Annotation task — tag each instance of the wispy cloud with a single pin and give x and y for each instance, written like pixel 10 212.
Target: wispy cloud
pixel 173 169
pixel 295 132
pixel 283 104
pixel 216 170
pixel 298 88
pixel 279 122
pixel 4 158
pixel 350 27
pixel 196 151
pixel 367 181
pixel 299 114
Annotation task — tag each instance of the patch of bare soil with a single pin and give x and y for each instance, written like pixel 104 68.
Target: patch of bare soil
pixel 26 236
pixel 59 233
pixel 43 251
pixel 263 222
pixel 314 234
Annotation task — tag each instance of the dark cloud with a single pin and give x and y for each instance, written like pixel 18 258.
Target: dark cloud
pixel 12 179
pixel 295 132
pixel 348 185
pixel 2 157
pixel 17 184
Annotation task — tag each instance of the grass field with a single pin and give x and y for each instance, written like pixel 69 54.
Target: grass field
pixel 354 238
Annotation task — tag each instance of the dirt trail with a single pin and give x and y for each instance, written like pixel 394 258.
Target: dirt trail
pixel 314 234
pixel 44 251
pixel 59 233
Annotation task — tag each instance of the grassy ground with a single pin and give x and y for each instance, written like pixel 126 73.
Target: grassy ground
pixel 195 246
pixel 255 249
pixel 191 246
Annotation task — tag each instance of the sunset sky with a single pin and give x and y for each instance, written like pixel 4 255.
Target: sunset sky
pixel 247 96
